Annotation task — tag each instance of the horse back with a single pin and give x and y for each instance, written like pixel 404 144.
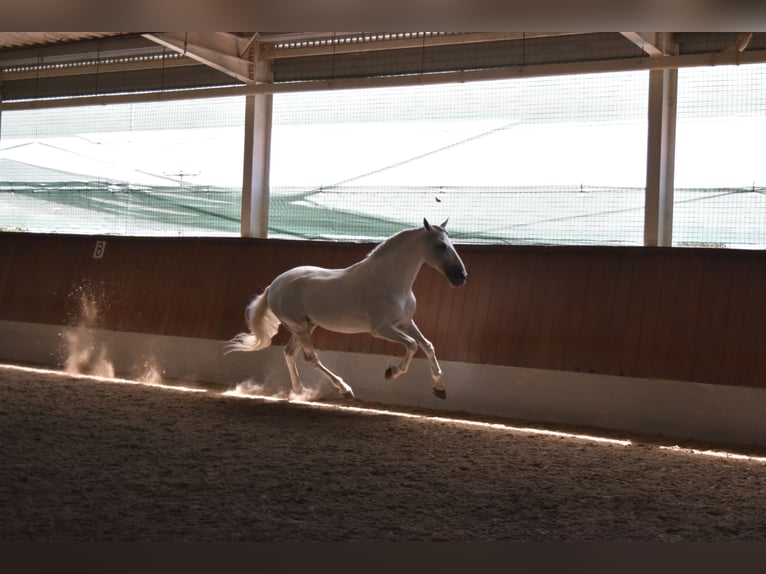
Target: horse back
pixel 341 300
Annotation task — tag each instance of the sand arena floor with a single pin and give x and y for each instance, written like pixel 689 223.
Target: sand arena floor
pixel 90 460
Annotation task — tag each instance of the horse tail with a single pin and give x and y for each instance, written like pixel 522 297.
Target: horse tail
pixel 262 323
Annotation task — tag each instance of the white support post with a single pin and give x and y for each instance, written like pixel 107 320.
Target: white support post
pixel 660 160
pixel 255 184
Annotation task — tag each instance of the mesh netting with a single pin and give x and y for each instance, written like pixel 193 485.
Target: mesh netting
pixel 170 168
pixel 539 160
pixel 720 174
pixel 543 160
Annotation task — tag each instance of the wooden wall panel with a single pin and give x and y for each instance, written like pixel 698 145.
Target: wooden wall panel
pixel 731 337
pixel 42 280
pixel 630 329
pixel 568 322
pixel 522 332
pixel 686 314
pixel 515 305
pixel 495 334
pixel 483 272
pixel 648 279
pixel 751 359
pixel 545 303
pixel 464 309
pixel 619 328
pixel 669 347
pixel 591 339
pixel 710 347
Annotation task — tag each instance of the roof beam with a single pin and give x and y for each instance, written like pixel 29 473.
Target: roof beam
pixel 740 44
pixel 653 43
pixel 507 73
pixel 218 50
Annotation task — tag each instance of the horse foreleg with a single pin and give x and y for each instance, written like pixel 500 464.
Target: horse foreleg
pixel 391 333
pixel 436 373
pixel 311 358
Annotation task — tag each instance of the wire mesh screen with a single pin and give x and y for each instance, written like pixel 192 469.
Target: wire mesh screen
pixel 720 172
pixel 168 168
pixel 558 160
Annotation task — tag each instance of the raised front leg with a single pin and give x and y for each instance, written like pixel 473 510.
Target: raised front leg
pixel 391 333
pixel 436 373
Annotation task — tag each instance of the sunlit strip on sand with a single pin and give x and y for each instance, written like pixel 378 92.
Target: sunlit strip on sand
pixel 373 411
pixel 64 374
pixel 479 424
pixel 715 453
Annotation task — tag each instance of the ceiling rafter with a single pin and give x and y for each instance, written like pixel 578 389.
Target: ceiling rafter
pixel 653 43
pixel 219 50
pixel 742 42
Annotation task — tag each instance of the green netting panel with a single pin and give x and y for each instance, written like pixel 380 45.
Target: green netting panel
pixel 542 160
pixel 170 168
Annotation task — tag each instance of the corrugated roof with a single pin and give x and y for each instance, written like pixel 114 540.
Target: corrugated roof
pixel 31 39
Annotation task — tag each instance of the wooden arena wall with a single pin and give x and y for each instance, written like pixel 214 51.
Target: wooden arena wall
pixel 680 314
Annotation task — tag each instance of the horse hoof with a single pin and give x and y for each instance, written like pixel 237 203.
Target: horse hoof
pixel 348 395
pixel 390 373
pixel 440 393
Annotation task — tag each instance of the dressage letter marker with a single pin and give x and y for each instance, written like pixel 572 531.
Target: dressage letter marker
pixel 98 252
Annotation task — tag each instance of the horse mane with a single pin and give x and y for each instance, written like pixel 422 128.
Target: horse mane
pixel 388 244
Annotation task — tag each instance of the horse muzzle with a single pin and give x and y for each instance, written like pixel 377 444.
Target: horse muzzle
pixel 456 275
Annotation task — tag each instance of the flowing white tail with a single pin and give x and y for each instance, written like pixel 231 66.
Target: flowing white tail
pixel 263 325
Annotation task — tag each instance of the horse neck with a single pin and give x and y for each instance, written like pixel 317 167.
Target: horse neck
pixel 399 258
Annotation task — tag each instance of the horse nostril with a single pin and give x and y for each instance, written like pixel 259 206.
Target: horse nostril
pixel 457 276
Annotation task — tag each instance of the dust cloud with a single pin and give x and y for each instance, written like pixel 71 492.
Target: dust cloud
pixel 269 390
pixel 87 353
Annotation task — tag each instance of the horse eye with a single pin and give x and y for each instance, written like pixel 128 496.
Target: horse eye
pixel 441 245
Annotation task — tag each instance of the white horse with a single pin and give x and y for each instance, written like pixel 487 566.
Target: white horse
pixel 372 296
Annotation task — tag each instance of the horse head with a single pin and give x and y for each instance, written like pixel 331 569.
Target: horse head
pixel 441 253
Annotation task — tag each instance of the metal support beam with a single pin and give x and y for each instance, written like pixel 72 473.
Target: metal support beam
pixel 651 43
pixel 255 184
pixel 219 50
pixel 741 43
pixel 660 158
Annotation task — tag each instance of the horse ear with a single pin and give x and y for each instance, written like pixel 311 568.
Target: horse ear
pixel 444 225
pixel 426 224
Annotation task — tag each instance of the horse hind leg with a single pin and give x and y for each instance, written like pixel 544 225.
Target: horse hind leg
pixel 290 352
pixel 310 355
